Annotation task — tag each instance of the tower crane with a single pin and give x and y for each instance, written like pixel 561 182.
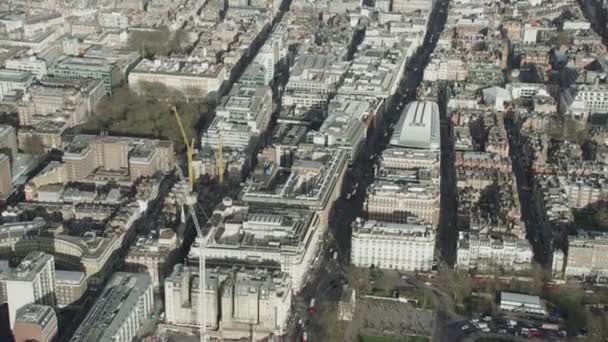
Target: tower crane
pixel 189 147
pixel 202 268
pixel 220 164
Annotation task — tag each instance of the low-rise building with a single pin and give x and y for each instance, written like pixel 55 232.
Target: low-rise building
pixel 70 286
pixel 153 256
pixel 483 251
pixel 587 254
pixel 523 303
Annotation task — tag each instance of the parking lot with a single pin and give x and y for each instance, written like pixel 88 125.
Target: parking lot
pixel 505 326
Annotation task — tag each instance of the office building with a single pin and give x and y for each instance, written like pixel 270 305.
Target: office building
pixel 238 302
pixel 35 323
pixel 400 246
pixel 89 68
pixel 193 80
pixel 141 157
pixel 312 179
pixel 581 100
pixel 11 80
pixel 153 256
pixel 32 281
pixel 70 286
pixel 346 125
pixel 258 235
pixel 120 310
pixel 398 201
pixel 522 303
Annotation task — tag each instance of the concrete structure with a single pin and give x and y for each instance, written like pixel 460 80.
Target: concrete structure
pixel 153 256
pixel 89 68
pixel 346 125
pixel 35 323
pixel 238 302
pixel 418 127
pixel 347 304
pixel 400 246
pixel 583 100
pixel 33 281
pixel 141 157
pixel 14 80
pixel 587 254
pixel 193 80
pixel 120 310
pixel 395 201
pixel 311 180
pixel 260 235
pixel 523 303
pixel 70 286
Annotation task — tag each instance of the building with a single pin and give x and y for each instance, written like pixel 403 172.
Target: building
pixel 11 80
pixel 400 246
pixel 31 64
pixel 8 141
pixel 259 235
pixel 418 127
pixel 193 80
pixel 6 333
pixel 32 281
pixel 311 179
pixel 398 200
pixel 140 157
pixel 153 256
pixel 120 310
pixel 346 125
pixel 89 68
pixel 238 302
pixel 6 176
pixel 523 303
pixel 587 254
pixel 581 100
pixel 70 286
pixel 483 251
pixel 35 323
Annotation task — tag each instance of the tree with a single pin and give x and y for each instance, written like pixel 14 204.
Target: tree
pixel 127 113
pixel 457 284
pixel 335 329
pixel 359 277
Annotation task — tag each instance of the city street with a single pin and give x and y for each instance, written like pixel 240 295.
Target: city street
pixel 326 279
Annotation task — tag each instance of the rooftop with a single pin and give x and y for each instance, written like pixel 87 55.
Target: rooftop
pixel 418 126
pixel 40 315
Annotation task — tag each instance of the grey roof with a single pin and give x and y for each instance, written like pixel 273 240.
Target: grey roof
pixel 418 126
pixel 519 297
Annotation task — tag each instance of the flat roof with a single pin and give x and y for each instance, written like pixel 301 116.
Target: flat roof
pixel 521 298
pixel 418 126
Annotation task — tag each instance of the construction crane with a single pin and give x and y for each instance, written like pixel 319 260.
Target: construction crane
pixel 189 147
pixel 220 164
pixel 202 269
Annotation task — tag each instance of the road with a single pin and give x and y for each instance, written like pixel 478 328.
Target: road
pixel 539 234
pixel 325 281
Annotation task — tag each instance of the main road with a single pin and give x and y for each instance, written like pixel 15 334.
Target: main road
pixel 327 276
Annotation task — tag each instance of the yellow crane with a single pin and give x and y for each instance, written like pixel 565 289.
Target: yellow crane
pixel 189 147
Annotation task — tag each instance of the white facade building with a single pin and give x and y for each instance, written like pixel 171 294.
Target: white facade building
pixel 14 80
pixel 119 312
pixel 587 254
pixel 33 281
pixel 237 301
pixel 401 246
pixel 477 251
